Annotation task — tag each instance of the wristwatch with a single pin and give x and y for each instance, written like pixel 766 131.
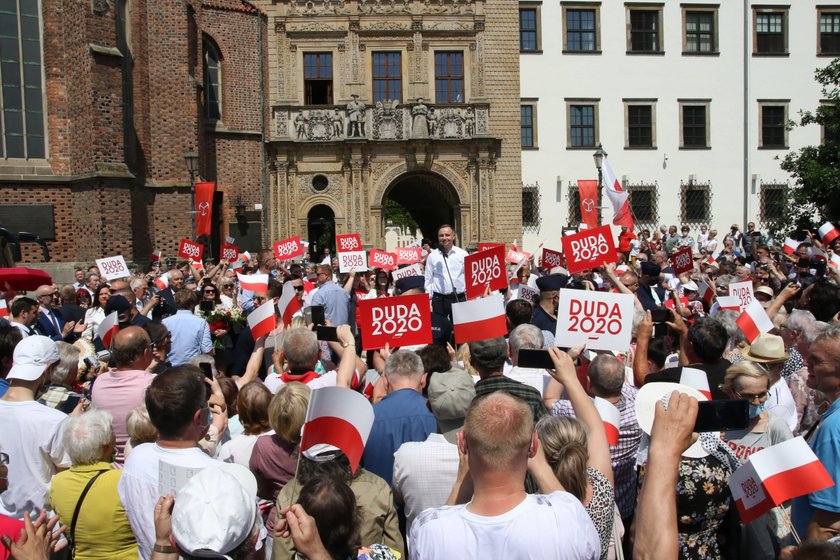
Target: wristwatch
pixel 346 344
pixel 164 549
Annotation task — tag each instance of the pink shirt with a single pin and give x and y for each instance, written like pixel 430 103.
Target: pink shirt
pixel 119 392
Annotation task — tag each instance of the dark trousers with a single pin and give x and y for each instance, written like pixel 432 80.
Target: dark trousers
pixel 442 303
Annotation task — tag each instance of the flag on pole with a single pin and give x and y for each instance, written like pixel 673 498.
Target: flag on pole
pixel 338 417
pixel 619 199
pixel 707 293
pixel 245 257
pixel 733 303
pixel 696 379
pixel 790 246
pixel 107 328
pixel 162 281
pixel 479 319
pixel 828 232
pixel 588 195
pixel 261 320
pixel 288 304
pixel 253 282
pixel 754 321
pixel 155 256
pixel 611 417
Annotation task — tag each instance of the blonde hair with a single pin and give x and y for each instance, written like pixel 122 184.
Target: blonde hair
pixel 287 411
pixel 564 444
pixel 498 428
pixel 139 426
pixel 743 369
pixel 463 356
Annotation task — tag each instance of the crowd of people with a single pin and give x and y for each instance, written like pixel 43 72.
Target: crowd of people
pixel 182 436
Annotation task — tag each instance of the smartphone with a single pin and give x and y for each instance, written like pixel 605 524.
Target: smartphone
pixel 70 404
pixel 531 358
pixel 317 314
pixel 323 332
pixel 207 370
pixel 722 415
pixel 207 306
pixel 660 315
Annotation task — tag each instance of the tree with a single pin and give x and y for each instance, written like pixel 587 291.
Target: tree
pixel 816 169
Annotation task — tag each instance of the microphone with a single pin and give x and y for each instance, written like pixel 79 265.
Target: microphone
pixel 443 252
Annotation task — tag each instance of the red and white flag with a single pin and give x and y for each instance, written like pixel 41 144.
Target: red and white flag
pixel 245 257
pixel 253 282
pixel 288 304
pixel 754 321
pixel 696 379
pixel 479 319
pixel 774 475
pixel 155 256
pixel 835 260
pixel 237 266
pixel 618 197
pixel 790 246
pixel 162 281
pixel 307 286
pixel 707 293
pixel 733 303
pixel 107 328
pixel 611 417
pixel 339 417
pixel 4 309
pixel 828 232
pixel 261 320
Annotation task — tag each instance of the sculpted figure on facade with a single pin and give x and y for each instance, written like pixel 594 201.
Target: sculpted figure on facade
pixel 356 116
pixel 338 124
pixel 420 120
pixel 300 126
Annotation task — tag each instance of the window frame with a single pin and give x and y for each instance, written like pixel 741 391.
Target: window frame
pixel 762 10
pixel 208 47
pixel 764 200
pixel 767 103
pixel 693 185
pixel 450 78
pixel 594 7
pixel 537 9
pixel 574 216
pixel 534 223
pixel 307 99
pixel 659 32
pixel 653 189
pixel 572 103
pixel 387 79
pixel 651 104
pixel 532 104
pixel 832 11
pixel 713 10
pixel 706 103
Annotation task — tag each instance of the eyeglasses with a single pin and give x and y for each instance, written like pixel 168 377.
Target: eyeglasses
pixel 209 291
pixel 227 287
pixel 760 397
pixel 260 298
pixel 299 288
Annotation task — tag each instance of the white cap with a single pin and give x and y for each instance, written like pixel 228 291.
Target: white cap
pixel 691 285
pixel 32 356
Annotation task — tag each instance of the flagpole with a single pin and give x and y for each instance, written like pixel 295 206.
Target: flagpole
pixel 789 523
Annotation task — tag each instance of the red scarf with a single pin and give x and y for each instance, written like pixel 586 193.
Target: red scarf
pixel 304 378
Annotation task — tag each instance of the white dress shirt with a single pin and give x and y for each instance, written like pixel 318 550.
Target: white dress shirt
pixel 437 277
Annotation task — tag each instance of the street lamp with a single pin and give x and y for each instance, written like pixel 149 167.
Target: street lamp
pixel 192 166
pixel 599 156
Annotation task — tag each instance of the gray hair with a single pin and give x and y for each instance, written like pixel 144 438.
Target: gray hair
pixel 525 336
pixel 403 363
pixel 799 320
pixel 86 434
pixel 829 333
pixel 606 372
pixel 68 359
pixel 139 426
pixel 137 282
pixel 816 330
pixel 727 318
pixel 300 346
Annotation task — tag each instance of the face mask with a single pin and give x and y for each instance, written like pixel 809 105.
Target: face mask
pixel 756 410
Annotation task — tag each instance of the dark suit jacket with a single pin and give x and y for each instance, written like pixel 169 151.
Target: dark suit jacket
pixel 72 312
pixel 167 307
pixel 46 327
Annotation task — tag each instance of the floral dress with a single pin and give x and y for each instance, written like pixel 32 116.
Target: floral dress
pixel 703 500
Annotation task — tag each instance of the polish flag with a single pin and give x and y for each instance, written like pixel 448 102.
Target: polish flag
pixel 754 321
pixel 155 256
pixel 828 232
pixel 162 281
pixel 611 417
pixel 198 265
pixel 818 254
pixel 253 282
pixel 707 293
pixel 696 379
pixel 619 199
pixel 107 328
pixel 710 260
pixel 4 309
pixel 237 266
pixel 775 475
pixel 479 319
pixel 338 417
pixel 261 320
pixel 733 303
pixel 835 260
pixel 308 286
pixel 245 257
pixel 289 304
pixel 621 269
pixel 790 246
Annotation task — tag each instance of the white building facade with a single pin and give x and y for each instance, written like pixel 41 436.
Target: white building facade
pixel 690 101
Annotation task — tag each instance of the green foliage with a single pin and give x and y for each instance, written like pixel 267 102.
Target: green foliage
pixel 396 214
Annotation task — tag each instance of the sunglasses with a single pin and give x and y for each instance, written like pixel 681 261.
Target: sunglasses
pixel 259 298
pixel 299 288
pixel 209 291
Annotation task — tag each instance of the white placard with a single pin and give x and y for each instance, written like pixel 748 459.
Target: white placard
pixel 603 321
pixel 172 478
pixel 413 270
pixel 529 294
pixel 112 268
pixel 743 291
pixel 356 260
pixel 746 486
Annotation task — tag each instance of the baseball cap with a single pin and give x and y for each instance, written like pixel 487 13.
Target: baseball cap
pixel 118 304
pixel 410 283
pixel 552 282
pixel 32 356
pixel 450 394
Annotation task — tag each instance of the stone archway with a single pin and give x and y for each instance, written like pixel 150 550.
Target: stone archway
pixel 428 198
pixel 320 222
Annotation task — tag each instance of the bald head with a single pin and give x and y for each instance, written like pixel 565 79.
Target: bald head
pixel 131 348
pixel 120 288
pixel 48 296
pixel 606 375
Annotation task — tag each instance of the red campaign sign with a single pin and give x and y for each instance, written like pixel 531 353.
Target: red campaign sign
pixel 409 255
pixel 230 252
pixel 397 321
pixel 485 246
pixel 348 242
pixel 383 260
pixel 288 248
pixel 590 248
pixel 190 250
pixel 683 260
pixel 550 258
pixel 483 268
pixel 669 303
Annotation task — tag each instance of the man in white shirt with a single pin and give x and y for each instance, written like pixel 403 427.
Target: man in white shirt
pixel 502 521
pixel 177 405
pixel 445 273
pixel 24 313
pixel 526 337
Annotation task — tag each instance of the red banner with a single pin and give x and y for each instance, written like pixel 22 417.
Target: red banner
pixel 682 260
pixel 229 252
pixel 203 207
pixel 383 260
pixel 485 246
pixel 550 259
pixel 190 250
pixel 588 191
pixel 348 242
pixel 397 321
pixel 288 248
pixel 589 249
pixel 409 255
pixel 485 268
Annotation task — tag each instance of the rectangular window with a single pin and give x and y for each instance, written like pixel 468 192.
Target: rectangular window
pixel 773 201
pixel 530 207
pixel 527 123
pixel 449 77
pixel 770 33
pixel 387 76
pixel 21 95
pixel 574 206
pixel 317 78
pixel 528 29
pixel 581 126
pixel 645 30
pixel 700 32
pixel 581 32
pixel 695 129
pixel 643 204
pixel 695 202
pixel 640 126
pixel 829 33
pixel 773 130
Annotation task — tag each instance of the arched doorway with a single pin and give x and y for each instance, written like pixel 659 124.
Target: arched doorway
pixel 321 231
pixel 422 199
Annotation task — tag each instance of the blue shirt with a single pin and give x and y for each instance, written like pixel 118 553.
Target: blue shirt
pixel 4 384
pixel 826 446
pixel 335 301
pixel 190 337
pixel 400 417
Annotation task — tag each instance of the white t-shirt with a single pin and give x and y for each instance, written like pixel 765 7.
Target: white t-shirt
pixel 238 450
pixel 273 381
pixel 780 403
pixel 31 434
pixel 543 527
pixel 138 486
pixel 535 377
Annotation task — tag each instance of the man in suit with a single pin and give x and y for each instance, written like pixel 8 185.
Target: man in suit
pixel 167 297
pixel 650 293
pixel 50 322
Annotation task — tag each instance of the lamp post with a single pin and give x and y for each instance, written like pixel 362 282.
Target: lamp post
pixel 599 156
pixel 192 166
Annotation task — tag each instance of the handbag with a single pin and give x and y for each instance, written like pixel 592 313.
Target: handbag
pixel 71 538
